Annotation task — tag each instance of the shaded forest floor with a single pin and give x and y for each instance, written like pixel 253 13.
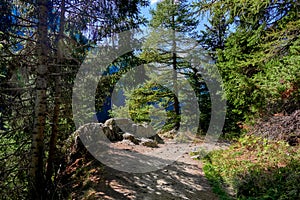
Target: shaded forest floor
pixel 87 178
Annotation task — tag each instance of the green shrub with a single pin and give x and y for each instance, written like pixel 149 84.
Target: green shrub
pixel 256 168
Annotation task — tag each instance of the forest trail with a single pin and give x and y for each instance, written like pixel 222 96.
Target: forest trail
pixel 183 179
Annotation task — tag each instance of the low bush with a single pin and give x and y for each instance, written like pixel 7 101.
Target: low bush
pixel 255 168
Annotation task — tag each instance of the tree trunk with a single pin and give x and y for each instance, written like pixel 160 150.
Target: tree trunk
pixel 57 98
pixel 37 148
pixel 175 85
pixel 176 101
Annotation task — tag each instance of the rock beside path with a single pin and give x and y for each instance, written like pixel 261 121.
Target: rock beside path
pixel 157 139
pixel 131 138
pixel 149 143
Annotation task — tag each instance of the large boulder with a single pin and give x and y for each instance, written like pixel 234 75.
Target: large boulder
pixel 143 130
pixel 127 125
pixel 117 129
pixel 89 133
pixel 123 125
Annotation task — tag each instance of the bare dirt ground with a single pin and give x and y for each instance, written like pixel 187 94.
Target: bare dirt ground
pixel 182 179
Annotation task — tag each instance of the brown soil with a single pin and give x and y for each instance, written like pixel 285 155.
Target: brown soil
pixel 183 179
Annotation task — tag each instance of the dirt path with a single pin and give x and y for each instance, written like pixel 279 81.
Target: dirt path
pixel 183 179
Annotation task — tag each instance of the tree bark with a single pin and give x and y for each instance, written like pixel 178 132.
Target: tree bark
pixel 40 110
pixel 175 85
pixel 57 99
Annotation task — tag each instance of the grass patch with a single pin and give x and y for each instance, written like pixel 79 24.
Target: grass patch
pixel 255 168
pixel 216 182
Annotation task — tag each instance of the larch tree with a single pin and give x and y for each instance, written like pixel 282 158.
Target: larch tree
pixel 171 22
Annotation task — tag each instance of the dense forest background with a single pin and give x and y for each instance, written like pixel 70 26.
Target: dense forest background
pixel 254 44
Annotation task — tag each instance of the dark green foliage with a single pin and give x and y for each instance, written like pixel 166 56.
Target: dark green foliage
pixel 147 96
pixel 66 49
pixel 259 64
pixel 172 24
pixel 5 22
pixel 110 78
pixel 254 44
pixel 175 16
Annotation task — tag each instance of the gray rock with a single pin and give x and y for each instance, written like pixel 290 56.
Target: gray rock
pixel 148 143
pixel 126 125
pixel 172 132
pixel 144 130
pixel 111 135
pixel 113 126
pixel 139 130
pixel 168 134
pixel 130 137
pixel 157 139
pixel 112 131
pixel 117 129
pixel 75 146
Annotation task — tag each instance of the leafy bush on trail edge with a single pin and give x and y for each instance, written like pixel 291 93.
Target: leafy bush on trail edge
pixel 255 168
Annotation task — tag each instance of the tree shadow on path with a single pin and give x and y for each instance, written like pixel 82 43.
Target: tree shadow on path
pixel 182 179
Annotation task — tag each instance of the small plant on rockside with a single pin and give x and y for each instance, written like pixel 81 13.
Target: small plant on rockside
pixel 255 168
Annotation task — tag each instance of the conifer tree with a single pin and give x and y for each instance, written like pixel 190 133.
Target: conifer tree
pixel 172 22
pixel 258 61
